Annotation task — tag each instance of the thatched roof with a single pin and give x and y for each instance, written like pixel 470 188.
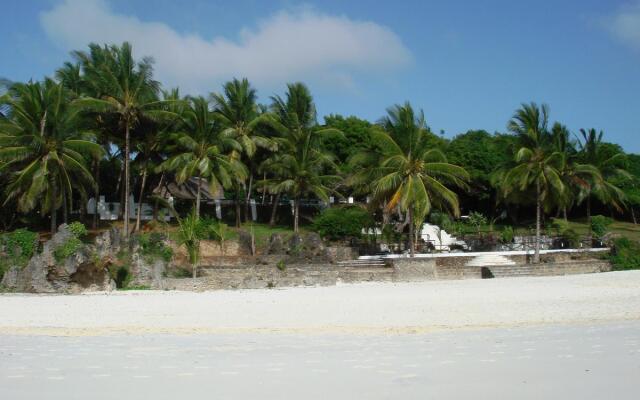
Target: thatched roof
pixel 187 190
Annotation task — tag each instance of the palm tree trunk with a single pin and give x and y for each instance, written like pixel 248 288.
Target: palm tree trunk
pixel 246 203
pixel 412 247
pixel 238 211
pixel 198 193
pixel 65 210
pixel 633 216
pixel 274 209
pixel 564 213
pixel 96 195
pixel 126 181
pixel 139 214
pixel 536 256
pixel 296 211
pixel 590 234
pixel 155 200
pixel 264 189
pixel 54 210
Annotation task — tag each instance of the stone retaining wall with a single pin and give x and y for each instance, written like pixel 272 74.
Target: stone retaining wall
pixel 402 270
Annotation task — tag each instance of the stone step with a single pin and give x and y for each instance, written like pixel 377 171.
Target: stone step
pixel 486 260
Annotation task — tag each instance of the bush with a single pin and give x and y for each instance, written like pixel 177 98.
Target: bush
pixel 564 230
pixel 625 254
pixel 338 223
pixel 20 243
pixel 78 229
pixel 71 246
pixel 600 225
pixel 477 220
pixel 67 249
pixel 506 236
pixel 152 246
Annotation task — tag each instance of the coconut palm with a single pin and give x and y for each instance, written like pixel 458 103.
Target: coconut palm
pixel 301 167
pixel 120 87
pixel 201 150
pixel 239 115
pixel 410 174
pixel 43 148
pixel 538 164
pixel 610 165
pixel 575 175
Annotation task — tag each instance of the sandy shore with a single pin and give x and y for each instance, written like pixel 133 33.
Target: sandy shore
pixel 362 308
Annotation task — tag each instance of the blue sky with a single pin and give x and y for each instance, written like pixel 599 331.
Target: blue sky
pixel 468 64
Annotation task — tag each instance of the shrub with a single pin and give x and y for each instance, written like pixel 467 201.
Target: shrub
pixel 281 265
pixel 506 236
pixel 20 243
pixel 338 223
pixel 477 220
pixel 67 249
pixel 78 229
pixel 600 225
pixel 152 246
pixel 625 254
pixel 565 231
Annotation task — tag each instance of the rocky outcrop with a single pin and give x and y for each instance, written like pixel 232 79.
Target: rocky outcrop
pixel 81 271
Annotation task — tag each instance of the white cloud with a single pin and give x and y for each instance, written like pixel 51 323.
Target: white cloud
pixel 290 45
pixel 625 24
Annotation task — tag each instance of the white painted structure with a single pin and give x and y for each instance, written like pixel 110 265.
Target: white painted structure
pixel 440 239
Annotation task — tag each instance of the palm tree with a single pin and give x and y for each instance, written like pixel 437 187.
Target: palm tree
pixel 239 115
pixel 43 148
pixel 410 174
pixel 201 150
pixel 124 88
pixel 610 166
pixel 538 164
pixel 300 167
pixel 574 175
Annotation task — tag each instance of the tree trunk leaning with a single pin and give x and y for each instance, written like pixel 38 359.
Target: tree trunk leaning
pixel 139 213
pixel 274 210
pixel 248 199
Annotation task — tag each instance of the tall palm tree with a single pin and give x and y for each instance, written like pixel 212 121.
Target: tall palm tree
pixel 610 166
pixel 538 164
pixel 201 150
pixel 300 167
pixel 124 88
pixel 238 113
pixel 575 176
pixel 410 174
pixel 43 148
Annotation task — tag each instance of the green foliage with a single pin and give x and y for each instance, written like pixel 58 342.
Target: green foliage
pixel 356 137
pixel 600 225
pixel 565 230
pixel 20 243
pixel 67 249
pixel 281 265
pixel 625 254
pixel 78 229
pixel 480 153
pixel 152 246
pixel 477 220
pixel 507 234
pixel 73 244
pixel 337 223
pixel 390 235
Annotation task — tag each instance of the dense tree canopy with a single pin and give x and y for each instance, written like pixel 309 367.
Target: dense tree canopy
pixel 104 126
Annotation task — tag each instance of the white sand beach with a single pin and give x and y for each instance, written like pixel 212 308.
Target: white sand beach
pixel 361 308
